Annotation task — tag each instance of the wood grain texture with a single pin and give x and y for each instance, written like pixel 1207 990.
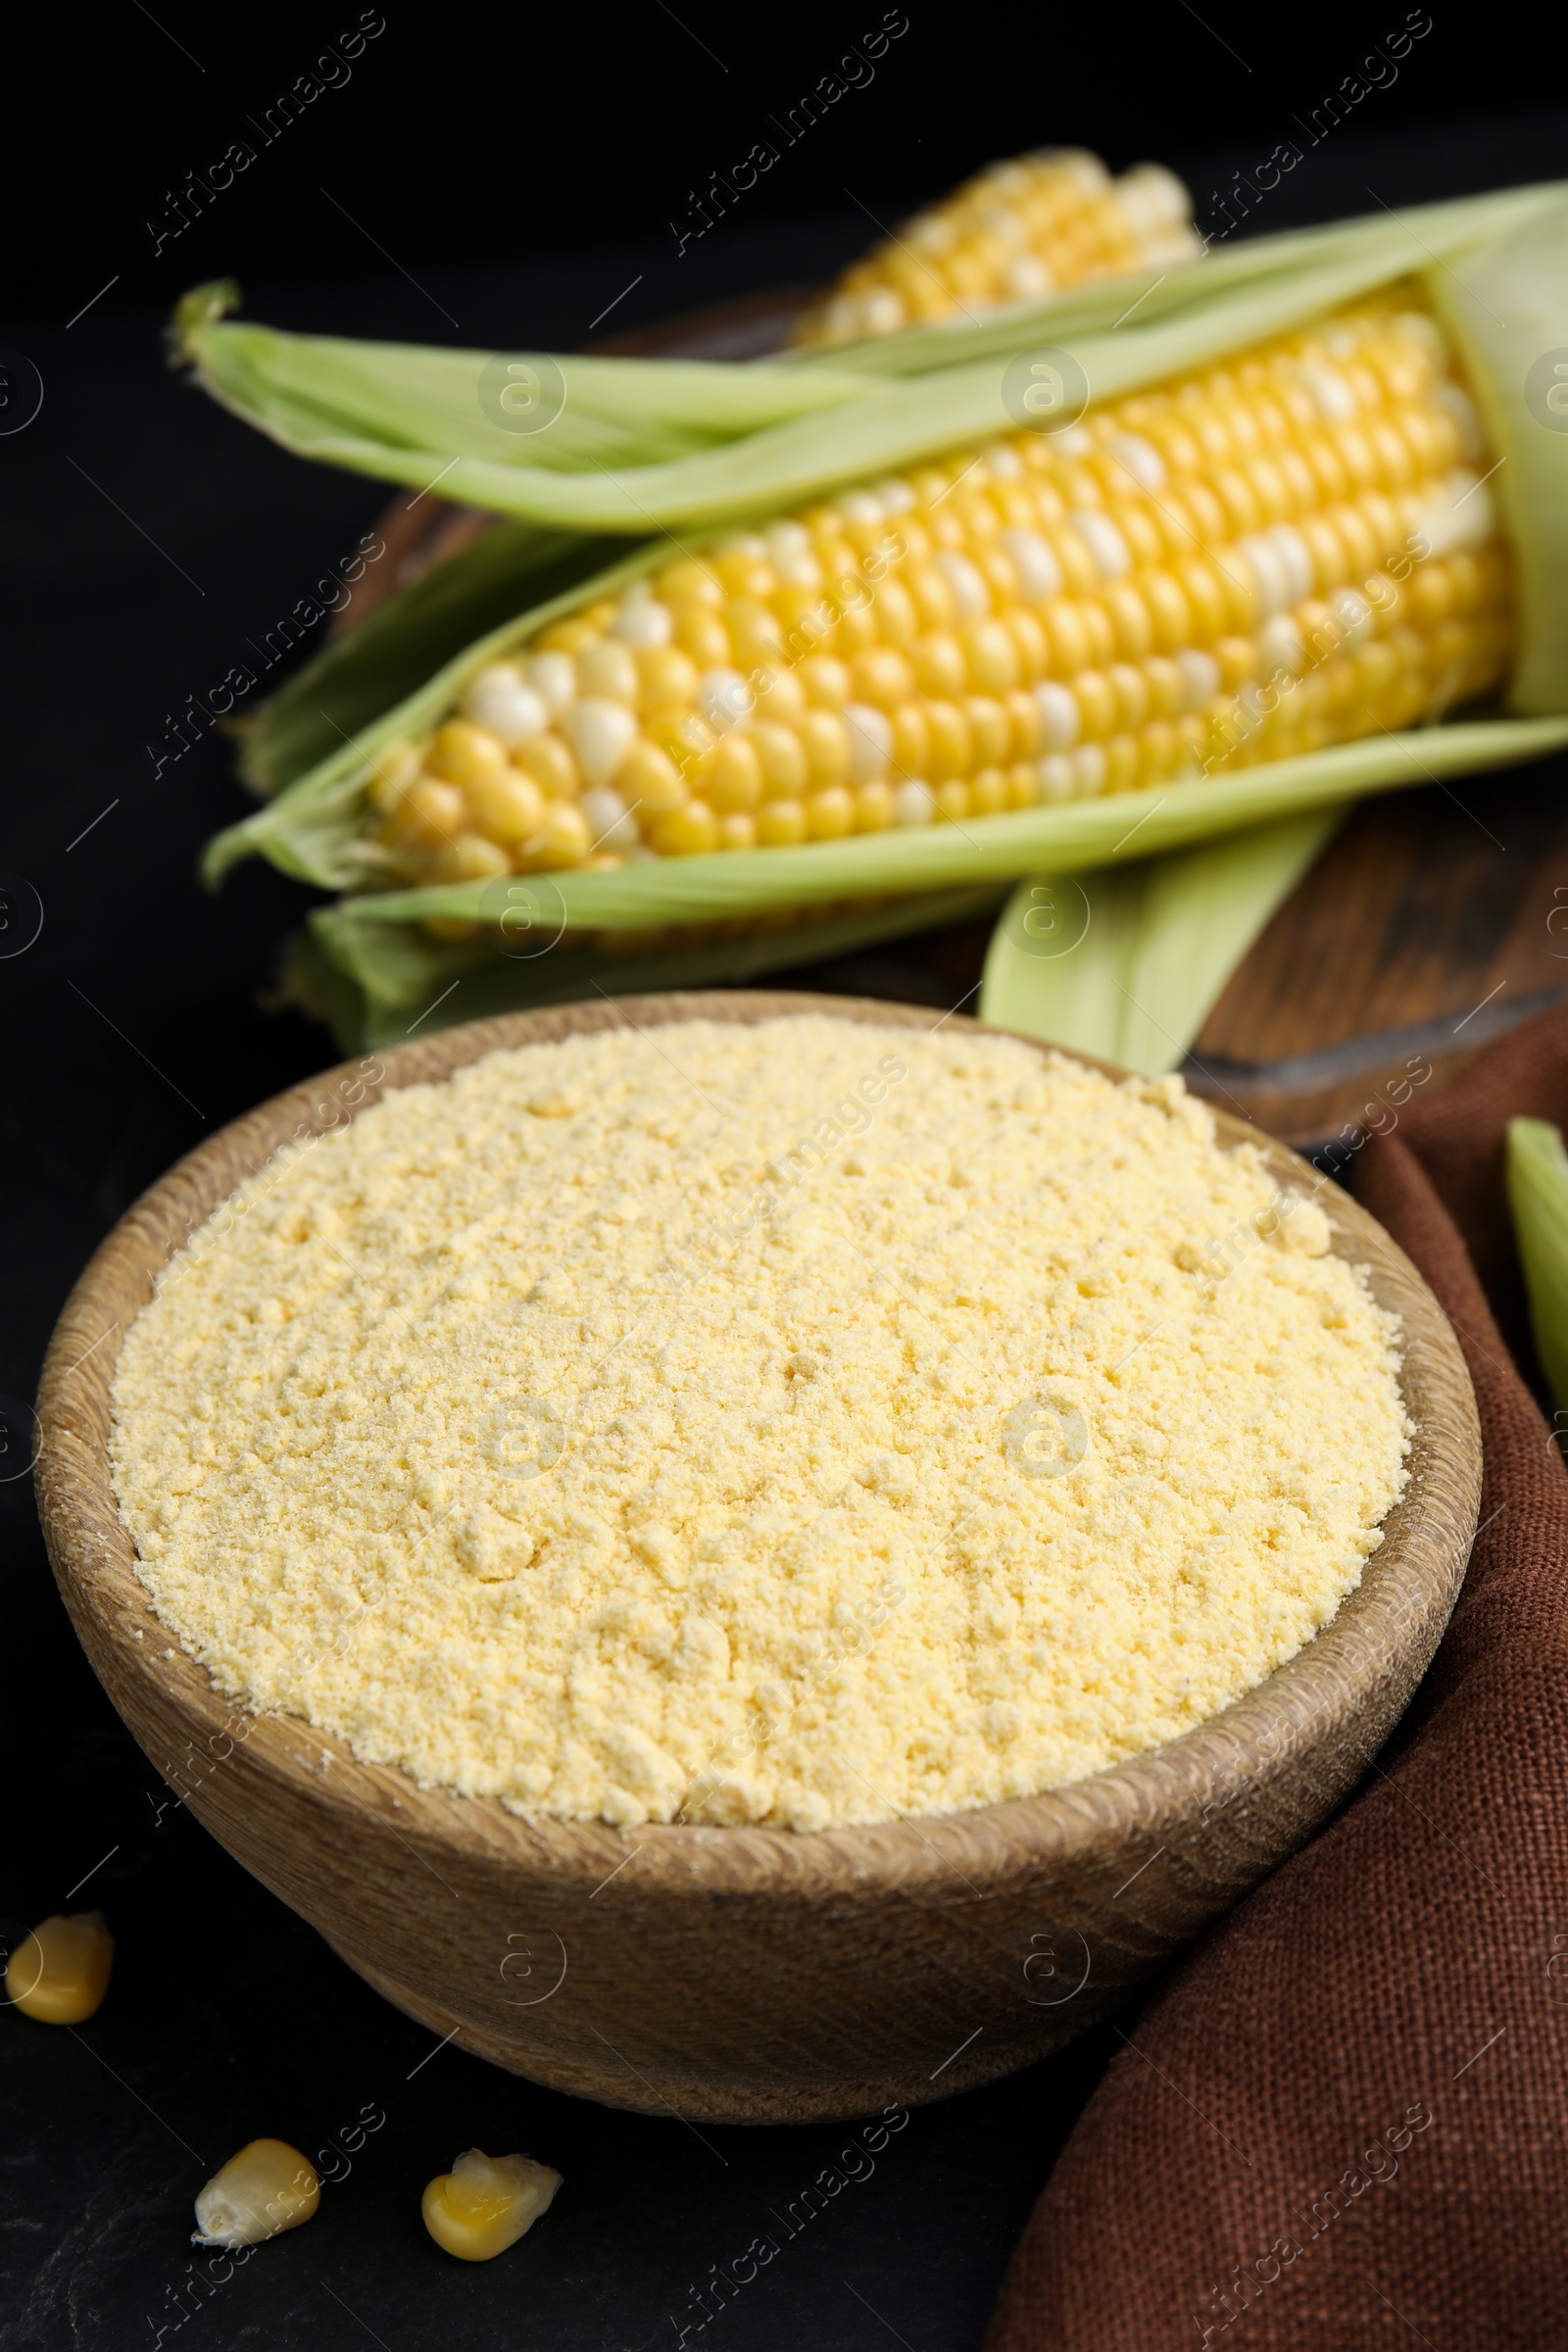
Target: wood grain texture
pixel 746 1975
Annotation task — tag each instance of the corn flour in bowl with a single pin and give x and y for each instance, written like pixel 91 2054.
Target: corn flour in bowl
pixel 801 1424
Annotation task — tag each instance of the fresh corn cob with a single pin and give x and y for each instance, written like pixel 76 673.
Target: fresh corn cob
pixel 1280 553
pixel 1019 230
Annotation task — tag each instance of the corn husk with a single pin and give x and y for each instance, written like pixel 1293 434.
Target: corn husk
pixel 375 983
pixel 643 445
pixel 674 447
pixel 1537 1199
pixel 1124 962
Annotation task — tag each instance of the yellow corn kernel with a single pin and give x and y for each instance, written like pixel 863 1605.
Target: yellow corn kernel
pixel 266 2188
pixel 830 814
pixel 951 802
pixel 689 582
pixel 737 831
pixel 940 669
pixel 685 832
pixel 649 781
pixel 665 675
pixel 470 858
pixel 428 814
pixel 825 740
pixel 486 2203
pixel 873 807
pixel 60 1972
pixel 882 677
pixel 729 777
pixel 780 696
pixel 549 761
pixel 610 668
pixel 561 841
pixel 951 749
pixel 781 757
pixel 681 734
pixel 700 632
pixel 912 739
pixel 755 636
pixel 1029 643
pixel 988 794
pixel 506 807
pixel 462 753
pixel 391 772
pixel 826 680
pixel 781 824
pixel 990 730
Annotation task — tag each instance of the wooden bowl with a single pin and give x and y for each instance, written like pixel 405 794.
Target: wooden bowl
pixel 747 1975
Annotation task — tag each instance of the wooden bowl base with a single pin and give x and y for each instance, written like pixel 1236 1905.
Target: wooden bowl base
pixel 716 2101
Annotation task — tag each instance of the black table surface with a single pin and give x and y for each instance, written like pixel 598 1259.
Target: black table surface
pixel 149 539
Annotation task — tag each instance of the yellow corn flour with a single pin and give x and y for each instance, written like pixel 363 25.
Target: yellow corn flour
pixel 802 1423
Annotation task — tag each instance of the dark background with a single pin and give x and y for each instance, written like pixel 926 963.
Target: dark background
pixel 490 176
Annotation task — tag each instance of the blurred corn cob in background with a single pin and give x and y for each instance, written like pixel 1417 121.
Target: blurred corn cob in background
pixel 1049 617
pixel 1020 230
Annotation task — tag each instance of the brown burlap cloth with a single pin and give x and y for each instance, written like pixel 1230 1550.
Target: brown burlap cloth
pixel 1343 2120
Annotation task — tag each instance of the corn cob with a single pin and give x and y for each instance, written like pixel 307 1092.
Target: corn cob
pixel 1017 232
pixel 1286 552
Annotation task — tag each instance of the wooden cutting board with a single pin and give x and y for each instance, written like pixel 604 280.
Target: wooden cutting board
pixel 1433 922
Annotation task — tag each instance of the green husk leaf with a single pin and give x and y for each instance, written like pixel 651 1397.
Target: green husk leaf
pixel 375 984
pixel 1538 1199
pixel 1127 966
pixel 1507 311
pixel 662 443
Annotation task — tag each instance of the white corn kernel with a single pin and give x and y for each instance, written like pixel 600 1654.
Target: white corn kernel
pixel 610 669
pixel 1028 277
pixel 1336 402
pixel 896 494
pixel 723 697
pixel 1462 409
pixel 870 742
pixel 882 311
pixel 913 804
pixel 601 733
pixel 1058 715
pixel 1089 771
pixel 643 623
pixel 1039 572
pixel 1105 543
pixel 1200 677
pixel 500 701
pixel 555 677
pixel 1280 647
pixel 266 2188
pixel 970 595
pixel 1354 615
pixel 486 2203
pixel 1141 459
pixel 1263 560
pixel 610 824
pixel 785 539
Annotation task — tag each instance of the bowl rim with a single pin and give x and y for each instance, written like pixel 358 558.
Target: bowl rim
pixel 1406 1588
